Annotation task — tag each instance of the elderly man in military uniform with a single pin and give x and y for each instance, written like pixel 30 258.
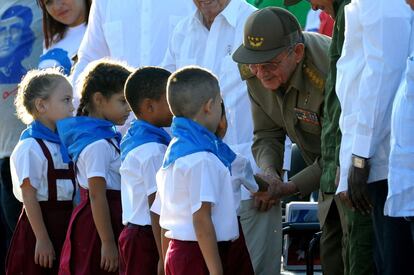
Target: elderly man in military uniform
pixel 285 71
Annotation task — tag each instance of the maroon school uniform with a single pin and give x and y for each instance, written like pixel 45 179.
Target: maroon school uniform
pixel 138 252
pixel 56 215
pixel 238 258
pixel 81 253
pixel 185 257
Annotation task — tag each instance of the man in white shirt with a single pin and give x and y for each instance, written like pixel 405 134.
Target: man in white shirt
pixel 369 71
pixel 208 38
pixel 134 31
pixel 400 200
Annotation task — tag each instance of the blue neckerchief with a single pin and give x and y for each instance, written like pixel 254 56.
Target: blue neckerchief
pixel 225 151
pixel 190 137
pixel 37 130
pixel 142 132
pixel 78 132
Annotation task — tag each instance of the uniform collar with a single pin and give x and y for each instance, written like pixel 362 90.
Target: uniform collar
pixel 229 13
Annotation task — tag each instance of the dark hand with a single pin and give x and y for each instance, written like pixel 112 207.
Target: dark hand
pixel 263 198
pixel 358 188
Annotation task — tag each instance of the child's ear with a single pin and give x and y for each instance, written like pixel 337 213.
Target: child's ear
pixel 97 98
pixel 208 106
pixel 147 106
pixel 40 105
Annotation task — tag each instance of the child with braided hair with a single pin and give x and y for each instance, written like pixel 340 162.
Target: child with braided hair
pixel 91 245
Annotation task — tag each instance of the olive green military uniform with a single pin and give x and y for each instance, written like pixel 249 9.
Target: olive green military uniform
pixel 334 239
pixel 295 111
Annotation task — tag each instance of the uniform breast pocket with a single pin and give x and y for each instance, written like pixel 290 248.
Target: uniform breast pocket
pixel 308 121
pixel 114 38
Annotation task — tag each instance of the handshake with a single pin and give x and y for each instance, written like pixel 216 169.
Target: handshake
pixel 271 189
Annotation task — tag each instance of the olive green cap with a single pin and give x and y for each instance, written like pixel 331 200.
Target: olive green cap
pixel 267 33
pixel 291 2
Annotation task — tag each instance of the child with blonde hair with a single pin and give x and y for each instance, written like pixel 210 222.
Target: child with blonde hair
pixel 42 174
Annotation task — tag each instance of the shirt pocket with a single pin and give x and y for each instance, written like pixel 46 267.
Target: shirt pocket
pixel 113 32
pixel 403 118
pixel 308 127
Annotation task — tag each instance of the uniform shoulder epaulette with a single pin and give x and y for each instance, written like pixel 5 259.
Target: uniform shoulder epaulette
pixel 245 72
pixel 314 76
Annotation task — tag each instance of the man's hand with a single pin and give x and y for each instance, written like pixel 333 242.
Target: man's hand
pixel 262 199
pixel 358 188
pixel 269 196
pixel 343 196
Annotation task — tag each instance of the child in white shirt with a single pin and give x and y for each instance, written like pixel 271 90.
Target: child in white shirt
pixel 142 152
pixel 194 184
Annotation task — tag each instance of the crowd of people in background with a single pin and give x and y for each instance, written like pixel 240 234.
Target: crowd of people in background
pixel 139 137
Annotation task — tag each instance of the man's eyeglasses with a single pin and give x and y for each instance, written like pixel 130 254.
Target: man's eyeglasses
pixel 271 66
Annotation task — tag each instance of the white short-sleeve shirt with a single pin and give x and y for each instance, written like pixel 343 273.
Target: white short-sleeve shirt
pixel 242 175
pixel 185 184
pixel 138 172
pixel 99 159
pixel 28 161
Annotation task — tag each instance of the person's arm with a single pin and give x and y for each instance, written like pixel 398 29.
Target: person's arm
pixel 44 251
pixel 386 32
pixel 165 242
pixel 156 230
pixel 93 45
pixel 206 237
pixel 102 220
pixel 169 61
pixel 268 141
pixel 304 183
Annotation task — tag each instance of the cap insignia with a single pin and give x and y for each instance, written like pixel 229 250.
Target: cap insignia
pixel 255 42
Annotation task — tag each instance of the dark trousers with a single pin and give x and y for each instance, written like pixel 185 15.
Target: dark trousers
pixel 412 228
pixel 10 209
pixel 393 245
pixel 332 242
pixel 360 260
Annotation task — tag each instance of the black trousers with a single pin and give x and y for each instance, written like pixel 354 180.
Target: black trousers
pixel 10 209
pixel 393 245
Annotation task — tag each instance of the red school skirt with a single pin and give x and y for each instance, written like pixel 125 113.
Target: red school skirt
pixel 81 252
pixel 138 252
pixel 20 257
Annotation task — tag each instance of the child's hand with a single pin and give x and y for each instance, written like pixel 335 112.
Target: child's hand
pixel 109 256
pixel 44 253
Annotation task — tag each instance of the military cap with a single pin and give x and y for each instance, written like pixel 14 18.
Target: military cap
pixel 267 33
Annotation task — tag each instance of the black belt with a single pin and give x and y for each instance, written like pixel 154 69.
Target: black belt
pixel 132 225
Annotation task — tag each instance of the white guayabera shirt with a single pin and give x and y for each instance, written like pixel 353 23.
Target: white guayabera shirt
pixel 368 74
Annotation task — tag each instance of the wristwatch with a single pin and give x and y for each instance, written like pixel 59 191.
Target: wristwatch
pixel 359 162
